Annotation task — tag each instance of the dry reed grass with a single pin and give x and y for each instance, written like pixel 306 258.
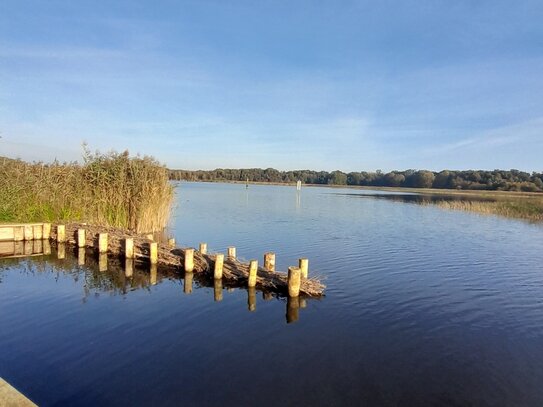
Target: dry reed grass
pixel 530 209
pixel 111 189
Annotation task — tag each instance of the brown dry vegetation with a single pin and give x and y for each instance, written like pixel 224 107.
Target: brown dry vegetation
pixel 111 189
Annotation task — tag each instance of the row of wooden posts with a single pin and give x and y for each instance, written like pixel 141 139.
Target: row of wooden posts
pixel 295 274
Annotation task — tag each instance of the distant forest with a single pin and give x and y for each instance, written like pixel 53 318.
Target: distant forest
pixel 511 180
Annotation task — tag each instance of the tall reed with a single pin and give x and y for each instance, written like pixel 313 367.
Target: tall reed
pixel 111 189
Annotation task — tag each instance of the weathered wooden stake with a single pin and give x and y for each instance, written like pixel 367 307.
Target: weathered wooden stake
pixel 61 233
pixel 251 299
pixel 153 252
pixel 37 230
pixel 81 237
pixel 232 252
pixel 217 289
pixel 81 256
pixel 171 242
pixel 253 267
pixel 102 242
pixel 28 247
pixel 203 248
pixel 28 232
pixel 46 230
pixel 304 267
pixel 294 279
pixel 189 259
pixel 269 261
pixel 46 247
pixel 219 262
pixel 129 248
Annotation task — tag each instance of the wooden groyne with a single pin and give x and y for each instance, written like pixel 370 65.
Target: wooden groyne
pixel 143 249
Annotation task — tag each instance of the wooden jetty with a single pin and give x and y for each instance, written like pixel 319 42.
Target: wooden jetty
pixel 143 249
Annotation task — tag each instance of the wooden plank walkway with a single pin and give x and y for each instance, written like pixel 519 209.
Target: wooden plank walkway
pixel 10 397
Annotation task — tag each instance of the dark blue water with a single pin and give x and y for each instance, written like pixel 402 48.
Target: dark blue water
pixel 423 307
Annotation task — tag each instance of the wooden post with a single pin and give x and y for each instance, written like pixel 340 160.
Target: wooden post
pixel 253 267
pixel 80 237
pixel 232 252
pixel 129 248
pixel 81 256
pixel 171 242
pixel 304 267
pixel 294 279
pixel 189 259
pixel 37 247
pixel 153 252
pixel 219 262
pixel 203 248
pixel 102 242
pixel 28 232
pixel 269 261
pixel 251 299
pixel 61 233
pixel 217 289
pixel 19 233
pixel 46 230
pixel 102 262
pixel 28 247
pixel 37 230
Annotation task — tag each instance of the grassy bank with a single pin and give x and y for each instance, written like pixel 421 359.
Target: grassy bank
pixel 107 189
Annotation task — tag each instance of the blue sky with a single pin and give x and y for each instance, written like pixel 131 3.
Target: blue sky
pixel 349 85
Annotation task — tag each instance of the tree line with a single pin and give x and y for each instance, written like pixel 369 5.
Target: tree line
pixel 503 180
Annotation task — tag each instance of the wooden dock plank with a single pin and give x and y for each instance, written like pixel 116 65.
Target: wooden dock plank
pixel 10 397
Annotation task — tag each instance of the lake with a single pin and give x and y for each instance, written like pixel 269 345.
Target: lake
pixel 423 306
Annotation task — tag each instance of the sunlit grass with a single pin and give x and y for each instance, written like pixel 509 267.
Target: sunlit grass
pixel 111 189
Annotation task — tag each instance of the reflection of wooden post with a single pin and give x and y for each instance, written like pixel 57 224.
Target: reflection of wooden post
pixel 267 296
pixel 153 274
pixel 187 287
pixel 217 289
pixel 46 230
pixel 303 303
pixel 28 247
pixel 294 279
pixel 37 230
pixel 232 252
pixel 128 267
pixel 19 248
pixel 219 262
pixel 304 267
pixel 102 242
pixel 37 247
pixel 18 233
pixel 46 247
pixel 80 237
pixel 153 252
pixel 61 233
pixel 293 312
pixel 203 248
pixel 81 256
pixel 61 251
pixel 28 232
pixel 253 267
pixel 129 248
pixel 189 259
pixel 251 299
pixel 269 261
pixel 102 262
pixel 171 242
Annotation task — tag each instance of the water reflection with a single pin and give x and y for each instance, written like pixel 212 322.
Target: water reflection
pixel 251 299
pixel 217 289
pixel 412 197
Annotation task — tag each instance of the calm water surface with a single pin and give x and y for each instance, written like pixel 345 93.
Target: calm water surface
pixel 423 307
